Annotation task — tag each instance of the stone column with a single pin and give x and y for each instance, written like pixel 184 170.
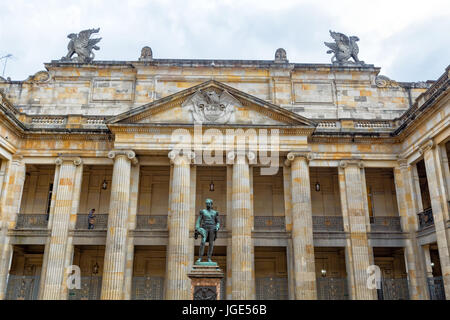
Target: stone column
pixel 445 168
pixel 439 205
pixel 60 246
pixel 302 227
pixel 49 228
pixel 134 196
pixel 355 216
pixel 288 216
pixel 177 282
pixel 427 258
pixel 192 213
pixel 408 219
pixel 10 199
pixel 113 281
pixel 242 250
pixel 229 223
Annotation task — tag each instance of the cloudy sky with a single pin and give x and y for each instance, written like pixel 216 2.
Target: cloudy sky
pixel 409 40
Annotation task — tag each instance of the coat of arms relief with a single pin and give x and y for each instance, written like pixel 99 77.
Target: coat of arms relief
pixel 211 106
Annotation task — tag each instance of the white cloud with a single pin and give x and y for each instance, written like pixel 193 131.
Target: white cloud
pixel 408 39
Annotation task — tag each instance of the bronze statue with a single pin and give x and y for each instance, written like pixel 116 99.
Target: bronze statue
pixel 207 226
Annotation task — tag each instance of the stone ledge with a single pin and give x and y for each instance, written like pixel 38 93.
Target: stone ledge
pixel 426 231
pixel 199 271
pixel 387 235
pixel 330 235
pixel 88 233
pixel 29 232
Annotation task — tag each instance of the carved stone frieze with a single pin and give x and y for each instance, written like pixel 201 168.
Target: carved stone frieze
pixel 211 106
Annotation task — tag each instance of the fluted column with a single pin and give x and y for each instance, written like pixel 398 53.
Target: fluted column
pixel 408 219
pixel 134 196
pixel 11 197
pixel 113 281
pixel 242 250
pixel 229 284
pixel 178 259
pixel 60 245
pixel 439 206
pixel 355 216
pixel 302 233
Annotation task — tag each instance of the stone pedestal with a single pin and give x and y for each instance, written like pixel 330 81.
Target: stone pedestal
pixel 205 282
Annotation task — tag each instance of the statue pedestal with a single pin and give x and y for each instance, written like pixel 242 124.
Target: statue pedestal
pixel 205 282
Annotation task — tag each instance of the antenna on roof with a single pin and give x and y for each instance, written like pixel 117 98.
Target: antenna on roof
pixel 9 55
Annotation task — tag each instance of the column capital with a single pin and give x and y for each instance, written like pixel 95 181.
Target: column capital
pixel 403 163
pixel 17 158
pixel 176 155
pixel 427 145
pixel 351 162
pixel 233 155
pixel 308 156
pixel 130 154
pixel 62 159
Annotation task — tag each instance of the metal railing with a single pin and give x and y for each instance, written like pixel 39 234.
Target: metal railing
pixel 223 288
pixel 153 222
pixel 425 218
pixel 22 287
pixel 32 221
pixel 271 288
pixel 328 223
pixel 100 222
pixel 393 289
pixel 148 288
pixel 91 287
pixel 332 288
pixel 149 222
pixel 270 223
pixel 436 288
pixel 385 224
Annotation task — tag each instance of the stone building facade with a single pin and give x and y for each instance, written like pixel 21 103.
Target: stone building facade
pixel 362 178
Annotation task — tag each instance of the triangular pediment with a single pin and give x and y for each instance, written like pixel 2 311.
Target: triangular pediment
pixel 211 103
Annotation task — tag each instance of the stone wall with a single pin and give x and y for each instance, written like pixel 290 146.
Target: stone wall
pixel 317 91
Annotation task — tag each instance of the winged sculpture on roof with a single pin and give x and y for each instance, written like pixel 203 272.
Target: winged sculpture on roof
pixel 343 49
pixel 82 45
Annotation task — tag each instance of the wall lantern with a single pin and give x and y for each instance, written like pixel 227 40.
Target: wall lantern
pixel 317 187
pixel 104 185
pixel 323 272
pixel 211 185
pixel 95 268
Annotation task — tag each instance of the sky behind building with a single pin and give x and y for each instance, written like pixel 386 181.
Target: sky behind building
pixel 409 40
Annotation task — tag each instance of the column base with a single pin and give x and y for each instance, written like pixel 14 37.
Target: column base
pixel 205 282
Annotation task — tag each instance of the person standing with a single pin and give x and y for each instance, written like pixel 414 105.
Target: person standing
pixel 91 219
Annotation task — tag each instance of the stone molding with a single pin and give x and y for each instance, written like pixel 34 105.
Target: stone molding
pixel 382 81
